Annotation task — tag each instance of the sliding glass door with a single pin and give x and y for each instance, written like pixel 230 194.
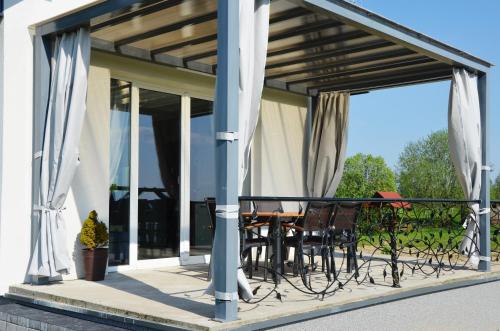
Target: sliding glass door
pixel 119 172
pixel 162 169
pixel 202 173
pixel 159 162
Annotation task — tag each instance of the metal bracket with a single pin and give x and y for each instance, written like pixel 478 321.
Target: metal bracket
pixel 226 296
pixel 227 211
pixel 485 258
pixel 38 155
pixel 484 211
pixel 486 168
pixel 227 135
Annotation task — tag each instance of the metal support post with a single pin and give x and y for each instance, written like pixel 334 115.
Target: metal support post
pixel 226 156
pixel 484 217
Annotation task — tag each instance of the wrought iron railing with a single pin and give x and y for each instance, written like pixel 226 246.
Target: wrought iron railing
pixel 395 238
pixel 495 230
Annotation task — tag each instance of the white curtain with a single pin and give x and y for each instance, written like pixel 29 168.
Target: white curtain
pixel 254 30
pixel 464 139
pixel 65 115
pixel 327 148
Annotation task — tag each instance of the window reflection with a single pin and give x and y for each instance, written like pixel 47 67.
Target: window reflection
pixel 202 175
pixel 119 171
pixel 159 163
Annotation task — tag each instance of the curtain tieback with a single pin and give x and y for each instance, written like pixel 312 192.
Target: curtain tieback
pixel 46 209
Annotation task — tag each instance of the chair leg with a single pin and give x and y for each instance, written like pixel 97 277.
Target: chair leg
pixel 349 259
pixel 266 263
pixel 322 260
pixel 311 259
pixel 295 261
pixel 249 263
pixel 327 261
pixel 355 260
pixel 257 257
pixel 332 261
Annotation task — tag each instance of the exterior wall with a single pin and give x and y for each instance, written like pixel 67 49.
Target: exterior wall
pixel 281 126
pixel 16 82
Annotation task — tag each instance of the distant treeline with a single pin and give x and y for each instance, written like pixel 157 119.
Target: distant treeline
pixel 424 170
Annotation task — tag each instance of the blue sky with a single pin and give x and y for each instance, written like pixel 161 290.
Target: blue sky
pixel 383 122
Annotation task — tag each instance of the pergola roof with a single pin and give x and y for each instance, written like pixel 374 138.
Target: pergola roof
pixel 314 45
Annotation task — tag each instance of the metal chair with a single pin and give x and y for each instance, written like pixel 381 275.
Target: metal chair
pixel 343 234
pixel 312 235
pixel 252 237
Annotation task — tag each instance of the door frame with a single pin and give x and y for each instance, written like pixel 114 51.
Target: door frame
pixel 184 257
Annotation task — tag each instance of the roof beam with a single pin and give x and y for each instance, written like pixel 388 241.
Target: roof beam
pixel 136 13
pixel 276 18
pixel 382 27
pixel 348 36
pixel 365 69
pixel 83 16
pixel 407 77
pixel 333 53
pixel 291 32
pixel 166 29
pixel 341 63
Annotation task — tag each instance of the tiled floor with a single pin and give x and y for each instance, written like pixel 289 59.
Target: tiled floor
pixel 175 295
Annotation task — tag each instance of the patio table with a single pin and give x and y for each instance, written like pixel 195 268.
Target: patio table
pixel 276 221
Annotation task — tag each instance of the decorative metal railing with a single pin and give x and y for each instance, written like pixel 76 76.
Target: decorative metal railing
pixel 395 239
pixel 495 230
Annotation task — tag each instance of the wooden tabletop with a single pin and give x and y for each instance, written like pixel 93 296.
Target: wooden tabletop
pixel 273 214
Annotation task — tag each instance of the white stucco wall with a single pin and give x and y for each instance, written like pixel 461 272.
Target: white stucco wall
pixel 16 82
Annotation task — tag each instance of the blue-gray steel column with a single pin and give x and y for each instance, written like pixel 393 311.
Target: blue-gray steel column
pixel 484 218
pixel 226 158
pixel 41 85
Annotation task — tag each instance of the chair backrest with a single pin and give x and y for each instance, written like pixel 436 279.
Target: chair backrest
pixel 210 203
pixel 317 216
pixel 344 216
pixel 268 206
pixel 245 206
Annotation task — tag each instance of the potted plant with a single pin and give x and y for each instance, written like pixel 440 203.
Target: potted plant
pixel 94 236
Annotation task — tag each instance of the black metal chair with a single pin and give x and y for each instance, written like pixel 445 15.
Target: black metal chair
pixel 312 236
pixel 252 237
pixel 343 234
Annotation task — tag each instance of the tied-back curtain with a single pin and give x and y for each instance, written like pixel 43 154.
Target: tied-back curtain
pixel 327 148
pixel 60 158
pixel 254 31
pixel 464 139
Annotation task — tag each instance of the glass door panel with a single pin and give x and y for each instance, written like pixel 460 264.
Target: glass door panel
pixel 119 170
pixel 202 175
pixel 159 170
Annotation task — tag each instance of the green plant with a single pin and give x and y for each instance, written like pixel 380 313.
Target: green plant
pixel 94 233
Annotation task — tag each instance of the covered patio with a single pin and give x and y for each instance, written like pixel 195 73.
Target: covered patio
pixel 313 47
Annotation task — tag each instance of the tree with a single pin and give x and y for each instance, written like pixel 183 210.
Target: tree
pixel 495 189
pixel 425 169
pixel 365 174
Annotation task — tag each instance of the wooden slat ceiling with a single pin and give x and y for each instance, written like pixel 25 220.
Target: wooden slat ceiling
pixel 307 52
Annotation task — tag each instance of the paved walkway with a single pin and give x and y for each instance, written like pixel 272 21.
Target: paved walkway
pixel 474 308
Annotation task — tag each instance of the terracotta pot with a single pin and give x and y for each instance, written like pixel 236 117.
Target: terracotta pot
pixel 95 262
